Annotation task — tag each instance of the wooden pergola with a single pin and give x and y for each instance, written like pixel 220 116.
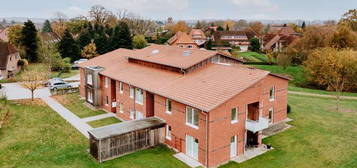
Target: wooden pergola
pixel 116 140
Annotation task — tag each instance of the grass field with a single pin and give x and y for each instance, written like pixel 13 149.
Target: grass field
pixel 76 105
pixel 39 138
pixel 320 138
pixel 104 122
pixel 294 72
pixel 251 56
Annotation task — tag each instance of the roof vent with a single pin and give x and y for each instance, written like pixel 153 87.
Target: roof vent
pixel 153 52
pixel 187 53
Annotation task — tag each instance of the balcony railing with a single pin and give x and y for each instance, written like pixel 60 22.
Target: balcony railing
pixel 255 126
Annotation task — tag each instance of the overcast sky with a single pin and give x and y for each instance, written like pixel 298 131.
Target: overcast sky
pixel 186 9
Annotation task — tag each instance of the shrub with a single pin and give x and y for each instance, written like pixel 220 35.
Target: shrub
pixel 66 68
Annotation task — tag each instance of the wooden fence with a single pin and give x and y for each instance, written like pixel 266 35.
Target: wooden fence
pixel 116 146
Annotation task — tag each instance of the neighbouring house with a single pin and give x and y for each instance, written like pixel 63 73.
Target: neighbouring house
pixel 210 107
pixel 278 37
pixel 182 40
pixel 4 34
pixel 233 38
pixel 49 37
pixel 198 36
pixel 9 58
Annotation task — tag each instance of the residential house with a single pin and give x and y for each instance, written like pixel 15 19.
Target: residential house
pixel 182 40
pixel 233 38
pixel 9 57
pixel 198 36
pixel 278 37
pixel 214 107
pixel 4 34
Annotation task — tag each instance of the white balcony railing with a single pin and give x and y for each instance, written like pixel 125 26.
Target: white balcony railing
pixel 255 126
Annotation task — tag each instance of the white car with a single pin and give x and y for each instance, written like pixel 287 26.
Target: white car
pixel 75 65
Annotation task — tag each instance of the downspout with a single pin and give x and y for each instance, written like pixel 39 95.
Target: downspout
pixel 207 139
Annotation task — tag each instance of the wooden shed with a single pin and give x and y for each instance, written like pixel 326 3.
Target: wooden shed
pixel 116 140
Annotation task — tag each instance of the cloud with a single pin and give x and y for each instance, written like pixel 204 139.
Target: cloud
pixel 143 6
pixel 265 5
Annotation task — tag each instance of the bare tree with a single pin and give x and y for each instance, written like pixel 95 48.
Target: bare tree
pixel 99 14
pixel 33 80
pixel 136 23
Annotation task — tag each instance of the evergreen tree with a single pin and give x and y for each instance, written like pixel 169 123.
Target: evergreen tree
pixel 209 44
pixel 47 27
pixel 102 43
pixel 68 47
pixel 303 25
pixel 84 38
pixel 254 45
pixel 121 37
pixel 29 41
pixel 227 27
pixel 220 28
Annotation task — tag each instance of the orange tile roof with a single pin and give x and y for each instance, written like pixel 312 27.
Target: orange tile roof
pixel 172 56
pixel 181 38
pixel 197 32
pixel 204 89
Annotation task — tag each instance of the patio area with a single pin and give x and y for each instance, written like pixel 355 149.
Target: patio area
pixel 251 153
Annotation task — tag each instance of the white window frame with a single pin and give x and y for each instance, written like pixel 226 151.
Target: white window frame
pixel 139 96
pixel 106 82
pixel 106 100
pixel 121 88
pixel 168 132
pixel 193 111
pixel 121 108
pixel 132 115
pixel 132 92
pixel 272 115
pixel 89 96
pixel 236 116
pixel 168 111
pixel 272 95
pixel 90 79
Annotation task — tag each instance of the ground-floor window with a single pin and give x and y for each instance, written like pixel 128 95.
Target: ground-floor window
pixel 132 114
pixel 168 132
pixel 271 113
pixel 121 108
pixel 139 115
pixel 89 96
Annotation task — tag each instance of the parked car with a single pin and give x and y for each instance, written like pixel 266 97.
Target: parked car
pixel 53 80
pixel 58 84
pixel 75 65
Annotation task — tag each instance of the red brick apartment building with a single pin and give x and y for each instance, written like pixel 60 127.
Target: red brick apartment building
pixel 214 107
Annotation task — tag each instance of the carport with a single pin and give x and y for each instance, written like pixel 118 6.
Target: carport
pixel 116 140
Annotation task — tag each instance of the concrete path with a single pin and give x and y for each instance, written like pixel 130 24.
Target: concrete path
pixel 75 121
pixel 73 78
pixel 98 117
pixel 321 95
pixel 14 91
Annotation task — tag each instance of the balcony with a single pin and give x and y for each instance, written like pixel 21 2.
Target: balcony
pixel 258 125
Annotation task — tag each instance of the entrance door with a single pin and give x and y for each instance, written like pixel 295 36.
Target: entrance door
pixel 192 147
pixel 233 146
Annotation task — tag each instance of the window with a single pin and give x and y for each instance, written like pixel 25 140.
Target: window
pixel 168 106
pixel 234 115
pixel 90 96
pixel 89 79
pixel 131 92
pixel 272 94
pixel 132 114
pixel 121 87
pixel 121 108
pixel 106 82
pixel 139 96
pixel 192 117
pixel 190 46
pixel 168 132
pixel 139 115
pixel 271 113
pixel 106 100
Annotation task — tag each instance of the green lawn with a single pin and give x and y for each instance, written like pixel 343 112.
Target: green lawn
pixel 323 92
pixel 294 72
pixel 251 56
pixel 104 122
pixel 320 138
pixel 38 137
pixel 77 105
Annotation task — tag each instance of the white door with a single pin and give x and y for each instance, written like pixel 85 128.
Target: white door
pixel 192 147
pixel 233 146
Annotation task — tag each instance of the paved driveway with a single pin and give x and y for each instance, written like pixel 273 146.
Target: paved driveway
pixel 15 91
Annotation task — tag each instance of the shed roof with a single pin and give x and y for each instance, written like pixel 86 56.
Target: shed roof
pixel 126 127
